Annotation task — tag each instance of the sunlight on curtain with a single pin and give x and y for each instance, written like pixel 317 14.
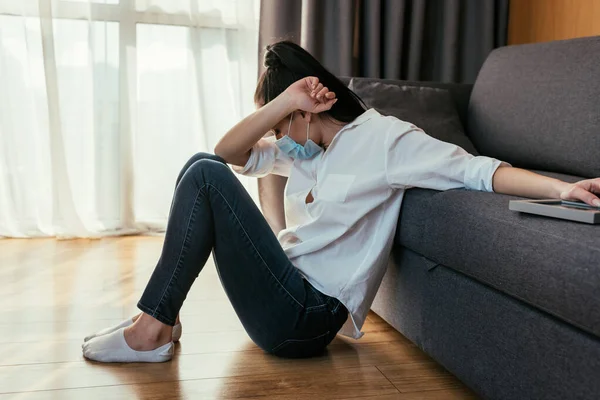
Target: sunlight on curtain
pixel 104 101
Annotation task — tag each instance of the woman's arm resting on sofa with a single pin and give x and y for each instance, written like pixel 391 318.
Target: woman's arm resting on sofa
pixel 520 182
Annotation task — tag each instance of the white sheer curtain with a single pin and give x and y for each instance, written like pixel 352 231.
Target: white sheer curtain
pixel 103 101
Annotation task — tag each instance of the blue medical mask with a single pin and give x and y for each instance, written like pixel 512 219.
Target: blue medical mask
pixel 296 150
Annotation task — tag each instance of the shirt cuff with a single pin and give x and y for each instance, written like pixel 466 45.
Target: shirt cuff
pixel 480 173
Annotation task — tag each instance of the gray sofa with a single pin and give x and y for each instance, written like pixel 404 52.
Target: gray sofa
pixel 508 302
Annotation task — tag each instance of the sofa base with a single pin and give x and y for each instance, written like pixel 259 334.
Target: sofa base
pixel 499 346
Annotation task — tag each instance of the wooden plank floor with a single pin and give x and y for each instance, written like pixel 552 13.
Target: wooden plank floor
pixel 53 293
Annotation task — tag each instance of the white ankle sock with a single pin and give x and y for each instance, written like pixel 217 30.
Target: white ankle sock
pixel 112 347
pixel 177 330
pixel 106 331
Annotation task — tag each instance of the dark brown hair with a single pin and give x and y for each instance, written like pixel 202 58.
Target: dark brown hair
pixel 286 63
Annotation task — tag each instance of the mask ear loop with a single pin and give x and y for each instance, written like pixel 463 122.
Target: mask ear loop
pixel 290 124
pixel 307 130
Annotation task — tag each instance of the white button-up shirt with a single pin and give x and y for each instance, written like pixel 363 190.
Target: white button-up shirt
pixel 341 242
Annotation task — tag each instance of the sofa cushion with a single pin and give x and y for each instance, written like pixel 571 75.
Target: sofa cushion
pixel 430 109
pixel 460 92
pixel 549 263
pixel 538 106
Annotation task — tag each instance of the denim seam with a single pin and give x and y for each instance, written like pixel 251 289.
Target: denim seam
pixel 252 243
pixel 336 307
pixel 298 341
pixel 178 264
pixel 317 294
pixel 155 314
pixel 315 308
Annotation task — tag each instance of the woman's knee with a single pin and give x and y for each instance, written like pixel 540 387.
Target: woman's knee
pixel 194 159
pixel 202 156
pixel 208 169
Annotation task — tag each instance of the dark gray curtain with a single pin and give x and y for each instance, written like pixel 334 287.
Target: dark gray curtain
pixel 431 40
pixel 420 40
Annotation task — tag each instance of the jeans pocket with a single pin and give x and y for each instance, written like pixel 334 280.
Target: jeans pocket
pixel 315 298
pixel 303 348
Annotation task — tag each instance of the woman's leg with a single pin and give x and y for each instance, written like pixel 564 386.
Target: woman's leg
pixel 212 210
pixel 188 164
pixel 177 330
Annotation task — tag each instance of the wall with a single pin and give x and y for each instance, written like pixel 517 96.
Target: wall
pixel 544 20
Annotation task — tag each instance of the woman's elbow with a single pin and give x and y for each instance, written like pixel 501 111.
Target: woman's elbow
pixel 218 151
pixel 233 159
pixel 223 151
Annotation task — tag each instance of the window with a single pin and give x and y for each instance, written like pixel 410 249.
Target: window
pixel 122 91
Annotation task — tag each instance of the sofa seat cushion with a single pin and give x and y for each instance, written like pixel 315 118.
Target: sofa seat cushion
pixel 552 264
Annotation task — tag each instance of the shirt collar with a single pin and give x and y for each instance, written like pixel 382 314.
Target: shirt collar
pixel 364 117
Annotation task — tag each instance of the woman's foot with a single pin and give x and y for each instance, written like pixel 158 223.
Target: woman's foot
pixel 177 329
pixel 106 331
pixel 147 340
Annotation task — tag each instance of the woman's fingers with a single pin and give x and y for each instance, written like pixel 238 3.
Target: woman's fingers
pixel 595 185
pixel 316 90
pixel 321 94
pixel 579 193
pixel 320 107
pixel 323 98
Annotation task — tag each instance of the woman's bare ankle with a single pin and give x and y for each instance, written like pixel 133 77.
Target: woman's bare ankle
pixel 147 333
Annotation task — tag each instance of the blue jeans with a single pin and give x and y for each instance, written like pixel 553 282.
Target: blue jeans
pixel 211 211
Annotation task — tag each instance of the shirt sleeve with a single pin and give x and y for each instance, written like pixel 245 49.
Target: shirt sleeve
pixel 266 158
pixel 415 159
